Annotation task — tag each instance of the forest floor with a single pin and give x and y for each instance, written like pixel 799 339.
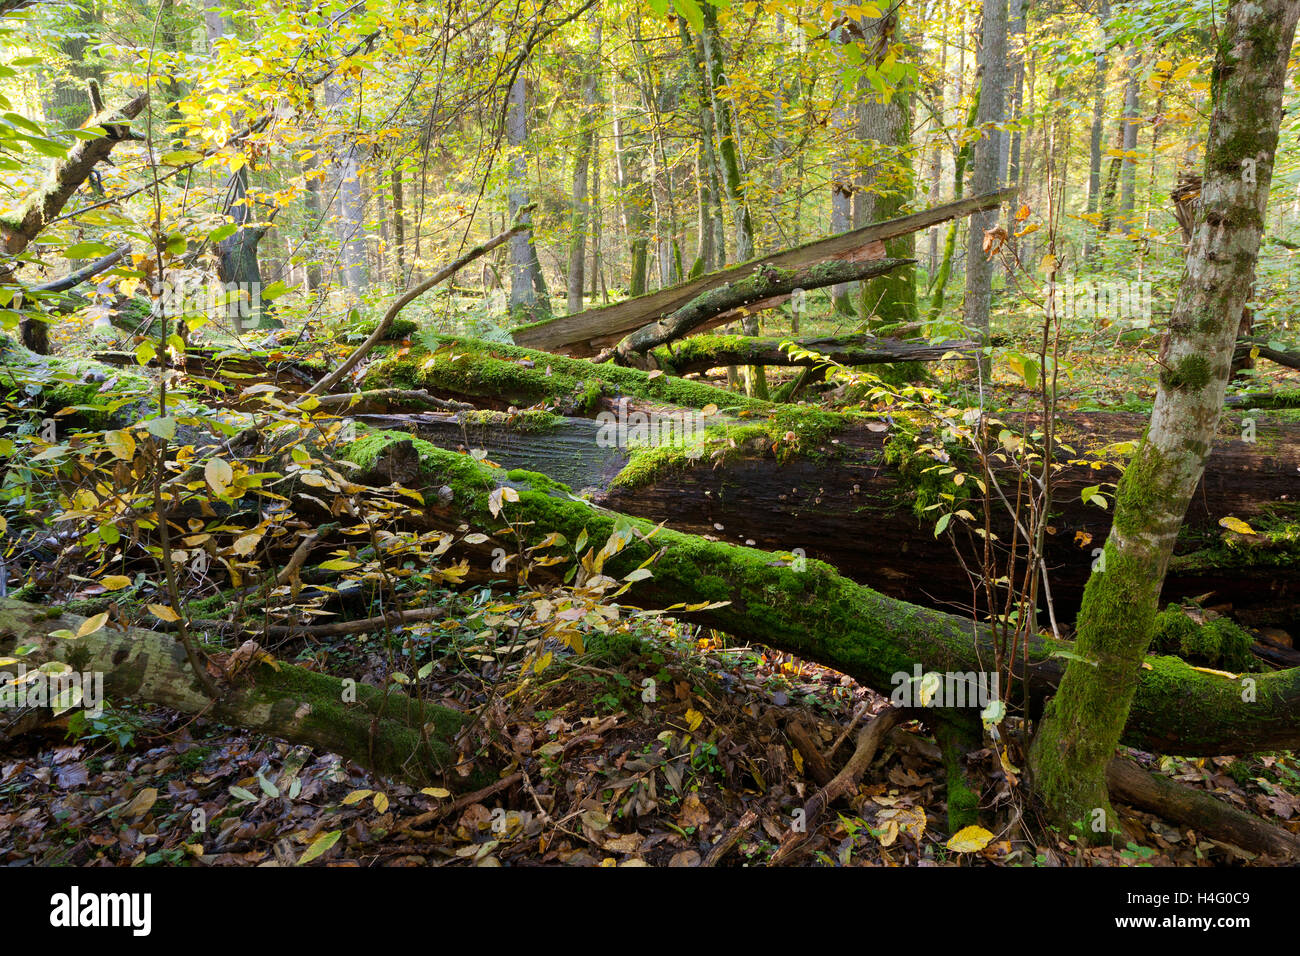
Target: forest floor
pixel 595 770
pixel 597 775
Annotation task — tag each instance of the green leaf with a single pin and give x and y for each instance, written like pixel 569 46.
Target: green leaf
pixel 320 845
pixel 222 232
pixel 274 291
pixel 162 427
pixel 181 157
pixel 87 250
pixel 941 524
pixel 690 12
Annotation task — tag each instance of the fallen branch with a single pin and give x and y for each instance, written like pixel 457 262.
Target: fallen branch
pixel 588 333
pixel 1189 807
pixel 702 353
pixel 869 740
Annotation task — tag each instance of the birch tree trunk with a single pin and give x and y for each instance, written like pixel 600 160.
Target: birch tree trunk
pixel 1083 723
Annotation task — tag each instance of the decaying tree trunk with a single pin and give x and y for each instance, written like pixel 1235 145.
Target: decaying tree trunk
pixel 590 332
pixel 385 731
pixel 701 353
pixel 807 608
pixel 763 285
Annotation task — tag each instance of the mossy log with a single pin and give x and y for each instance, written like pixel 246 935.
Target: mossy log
pixel 389 733
pixel 809 609
pixel 700 353
pixel 840 489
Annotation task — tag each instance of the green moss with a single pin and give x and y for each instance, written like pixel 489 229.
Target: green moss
pixel 525 377
pixel 1218 643
pixel 538 480
pixel 1193 372
pixel 790 431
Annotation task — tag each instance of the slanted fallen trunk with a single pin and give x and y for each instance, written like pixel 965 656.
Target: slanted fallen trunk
pixel 588 333
pixel 807 608
pixel 765 284
pixel 703 352
pixel 389 733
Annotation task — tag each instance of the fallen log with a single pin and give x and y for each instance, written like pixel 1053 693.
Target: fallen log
pixel 386 731
pixel 851 491
pixel 809 609
pixel 1246 348
pixel 700 353
pixel 588 333
pixel 763 284
pixel 1129 783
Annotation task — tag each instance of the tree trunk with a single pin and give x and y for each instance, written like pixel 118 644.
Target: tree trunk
pixel 1128 167
pixel 1079 733
pixel 1095 133
pixel 883 193
pixel 387 732
pixel 525 303
pixel 986 176
pixel 725 122
pixel 591 331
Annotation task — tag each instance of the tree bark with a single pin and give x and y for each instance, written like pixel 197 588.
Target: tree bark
pixel 389 733
pixel 985 175
pixel 810 610
pixel 589 332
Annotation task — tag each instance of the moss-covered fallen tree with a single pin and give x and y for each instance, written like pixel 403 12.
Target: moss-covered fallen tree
pixel 386 731
pixel 851 488
pixel 809 609
pixel 699 353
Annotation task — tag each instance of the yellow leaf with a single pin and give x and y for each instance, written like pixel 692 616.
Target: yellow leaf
pixel 970 839
pixel 244 545
pixel 1236 524
pixel 92 624
pixel 356 796
pixel 140 804
pixel 115 582
pixel 121 444
pixel 218 475
pixel 381 802
pixel 319 846
pixel 164 612
pixel 436 792
pixel 693 719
